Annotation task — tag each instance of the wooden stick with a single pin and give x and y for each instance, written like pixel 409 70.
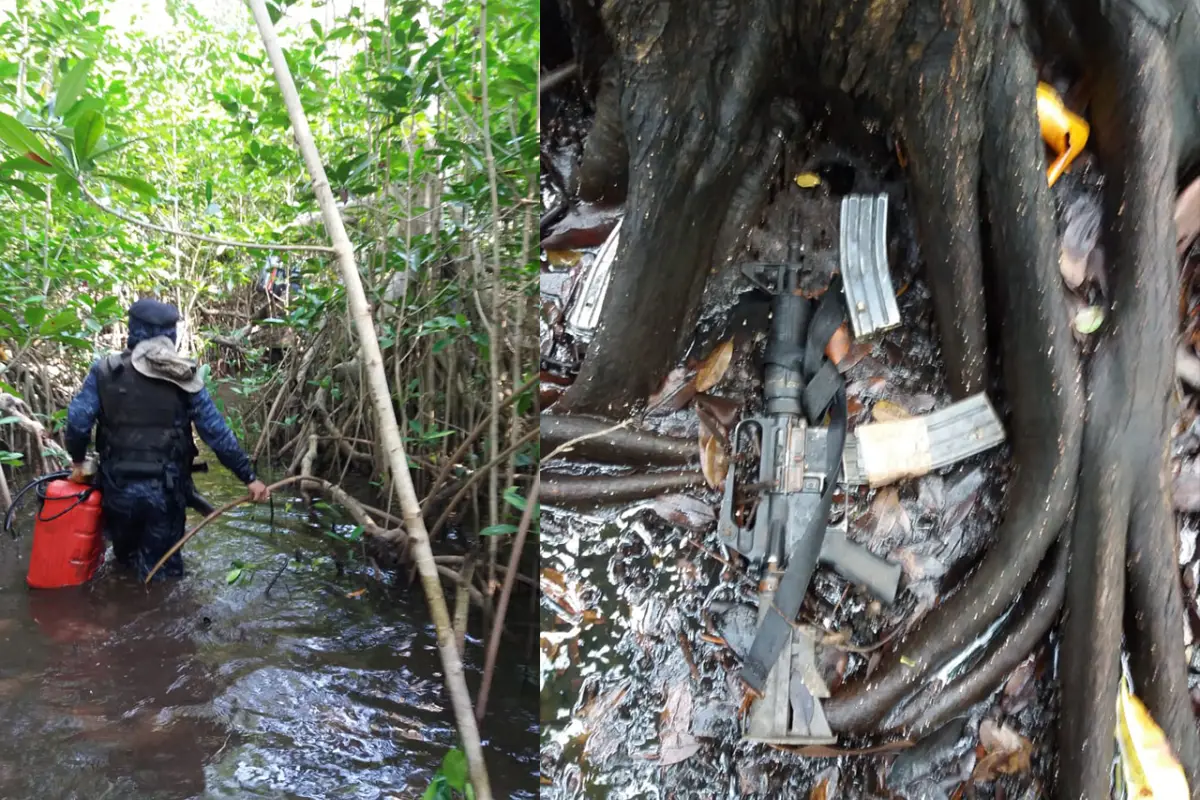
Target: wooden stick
pixel 514 560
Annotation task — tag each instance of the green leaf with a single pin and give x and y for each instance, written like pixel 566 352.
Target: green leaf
pixel 72 84
pixel 233 575
pixel 86 104
pixel 14 134
pixel 454 767
pixel 438 789
pixel 25 164
pixel 33 190
pixel 513 497
pixel 59 322
pixel 498 530
pixel 87 133
pixel 107 307
pixel 34 314
pixel 129 182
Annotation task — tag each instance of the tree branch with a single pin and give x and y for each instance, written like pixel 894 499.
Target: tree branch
pixel 199 237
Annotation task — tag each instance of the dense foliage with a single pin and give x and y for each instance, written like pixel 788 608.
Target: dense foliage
pixel 171 116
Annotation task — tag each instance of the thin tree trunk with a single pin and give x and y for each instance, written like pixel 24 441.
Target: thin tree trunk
pixel 496 336
pixel 5 494
pixel 462 600
pixel 456 683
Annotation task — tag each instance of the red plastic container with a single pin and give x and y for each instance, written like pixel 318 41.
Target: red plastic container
pixel 68 542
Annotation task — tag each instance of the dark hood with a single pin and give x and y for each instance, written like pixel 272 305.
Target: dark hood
pixel 140 331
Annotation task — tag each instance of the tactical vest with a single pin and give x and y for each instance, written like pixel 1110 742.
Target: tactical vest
pixel 143 423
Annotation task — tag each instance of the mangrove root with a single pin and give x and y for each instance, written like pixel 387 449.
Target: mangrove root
pixel 620 446
pixel 595 492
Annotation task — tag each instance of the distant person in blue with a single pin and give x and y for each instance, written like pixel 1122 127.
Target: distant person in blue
pixel 143 403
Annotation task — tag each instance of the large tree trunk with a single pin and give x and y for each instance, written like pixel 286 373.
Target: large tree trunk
pixel 700 92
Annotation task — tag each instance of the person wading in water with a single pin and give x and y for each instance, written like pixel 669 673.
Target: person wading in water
pixel 144 402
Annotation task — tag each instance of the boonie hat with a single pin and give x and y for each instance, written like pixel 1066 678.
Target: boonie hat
pixel 157 358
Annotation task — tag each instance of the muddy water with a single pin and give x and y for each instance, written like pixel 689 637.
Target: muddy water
pixel 200 689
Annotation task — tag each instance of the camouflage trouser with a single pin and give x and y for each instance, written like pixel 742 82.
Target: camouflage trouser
pixel 143 521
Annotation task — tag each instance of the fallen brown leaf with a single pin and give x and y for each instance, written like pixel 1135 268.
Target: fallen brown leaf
pixel 602 737
pixel 676 392
pixel 1018 689
pixel 858 351
pixel 554 577
pixel 918 566
pixel 1007 752
pixel 356 593
pixel 721 410
pixel 712 369
pixel 888 513
pixel 677 743
pixel 684 511
pixel 677 747
pixel 714 463
pixel 838 347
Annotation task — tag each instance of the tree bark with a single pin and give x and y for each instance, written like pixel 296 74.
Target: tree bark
pixel 381 398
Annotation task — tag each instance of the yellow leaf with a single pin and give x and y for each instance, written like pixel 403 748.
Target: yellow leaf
pixel 1147 762
pixel 713 368
pixel 807 180
pixel 356 593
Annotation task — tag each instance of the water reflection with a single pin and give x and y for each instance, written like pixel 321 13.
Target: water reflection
pixel 200 689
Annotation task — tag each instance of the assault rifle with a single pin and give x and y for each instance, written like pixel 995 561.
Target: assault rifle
pixel 786 534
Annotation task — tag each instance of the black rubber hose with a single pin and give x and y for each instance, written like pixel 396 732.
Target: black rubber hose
pixel 8 515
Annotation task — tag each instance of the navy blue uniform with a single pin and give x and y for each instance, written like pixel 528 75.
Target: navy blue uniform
pixel 145 517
